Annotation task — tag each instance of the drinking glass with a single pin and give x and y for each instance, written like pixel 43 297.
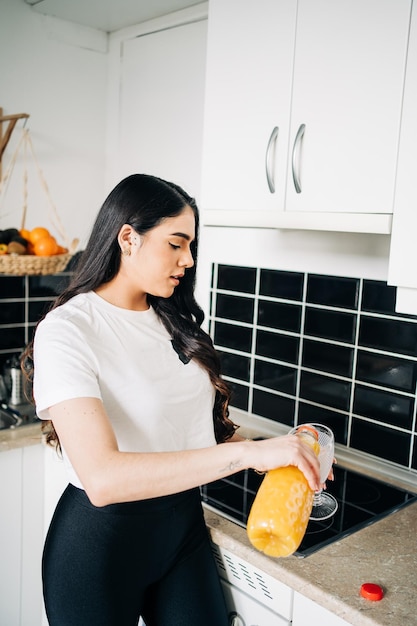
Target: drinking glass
pixel 324 504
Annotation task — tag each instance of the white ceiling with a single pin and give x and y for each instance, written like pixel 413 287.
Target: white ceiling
pixel 109 15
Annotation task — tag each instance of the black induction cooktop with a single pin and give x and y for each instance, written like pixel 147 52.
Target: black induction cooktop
pixel 362 501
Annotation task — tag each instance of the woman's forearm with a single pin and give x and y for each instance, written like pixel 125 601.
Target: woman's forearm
pixel 128 476
pixel 109 475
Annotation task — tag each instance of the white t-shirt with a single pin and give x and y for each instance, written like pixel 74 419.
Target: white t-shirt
pixel 91 348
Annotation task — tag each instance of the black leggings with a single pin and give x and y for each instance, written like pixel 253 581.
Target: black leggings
pixel 106 566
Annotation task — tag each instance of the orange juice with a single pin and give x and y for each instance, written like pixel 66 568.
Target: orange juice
pixel 280 512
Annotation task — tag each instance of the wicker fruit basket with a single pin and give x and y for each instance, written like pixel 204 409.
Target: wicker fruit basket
pixel 30 264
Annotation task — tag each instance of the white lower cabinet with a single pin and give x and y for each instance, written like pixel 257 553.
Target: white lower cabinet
pixel 245 611
pixel 10 533
pixel 32 479
pixel 21 536
pixel 306 612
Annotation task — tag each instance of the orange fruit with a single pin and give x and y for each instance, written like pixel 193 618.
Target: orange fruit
pixel 45 246
pixel 23 232
pixel 38 233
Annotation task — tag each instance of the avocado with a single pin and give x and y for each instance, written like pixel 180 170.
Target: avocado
pixel 20 240
pixel 7 235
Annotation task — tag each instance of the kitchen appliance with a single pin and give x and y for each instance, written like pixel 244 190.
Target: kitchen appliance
pixel 16 396
pixel 253 598
pixel 362 501
pixel 13 380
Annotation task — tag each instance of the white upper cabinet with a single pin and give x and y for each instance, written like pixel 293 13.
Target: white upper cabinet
pixel 248 94
pixel 162 102
pixel 303 113
pixel 156 98
pixel 402 263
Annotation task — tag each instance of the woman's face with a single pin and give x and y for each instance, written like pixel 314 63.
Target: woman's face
pixel 158 260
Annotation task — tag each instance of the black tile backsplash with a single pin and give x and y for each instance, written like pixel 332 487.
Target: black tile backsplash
pixel 275 407
pixel 386 443
pixel 12 338
pixel 23 301
pixel 230 336
pixel 235 365
pixel 326 390
pixel 275 376
pixel 12 313
pixel 236 278
pixel 286 285
pixel 388 334
pixel 320 348
pixel 333 291
pixel 336 325
pixel 279 315
pixel 337 421
pixel 384 406
pixel 386 371
pixel 37 309
pixel 277 346
pixel 234 308
pixel 47 286
pixel 378 297
pixel 12 287
pixel 240 397
pixel 328 357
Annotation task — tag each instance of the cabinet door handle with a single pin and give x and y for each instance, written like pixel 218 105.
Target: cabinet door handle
pixel 295 174
pixel 268 159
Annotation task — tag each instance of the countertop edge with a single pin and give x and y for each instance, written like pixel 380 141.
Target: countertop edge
pixel 20 437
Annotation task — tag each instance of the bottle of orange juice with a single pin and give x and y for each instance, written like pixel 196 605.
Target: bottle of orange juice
pixel 280 512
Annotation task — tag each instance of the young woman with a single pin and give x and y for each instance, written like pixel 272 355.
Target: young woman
pixel 130 390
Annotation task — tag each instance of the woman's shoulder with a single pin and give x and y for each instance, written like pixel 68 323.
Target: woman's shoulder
pixel 69 324
pixel 77 308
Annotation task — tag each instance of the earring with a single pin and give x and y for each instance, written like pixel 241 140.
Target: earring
pixel 126 252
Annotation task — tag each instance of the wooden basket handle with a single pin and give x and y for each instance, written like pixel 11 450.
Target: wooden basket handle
pixel 4 138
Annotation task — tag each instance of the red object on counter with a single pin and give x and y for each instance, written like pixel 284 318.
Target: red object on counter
pixel 370 591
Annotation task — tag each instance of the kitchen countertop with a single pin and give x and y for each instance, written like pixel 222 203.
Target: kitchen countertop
pixel 20 437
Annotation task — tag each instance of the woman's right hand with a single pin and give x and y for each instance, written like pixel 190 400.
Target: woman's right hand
pixel 268 454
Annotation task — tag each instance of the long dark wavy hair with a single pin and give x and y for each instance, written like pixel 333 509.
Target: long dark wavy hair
pixel 143 202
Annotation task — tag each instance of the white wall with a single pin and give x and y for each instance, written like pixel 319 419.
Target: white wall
pixel 56 71
pixel 339 254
